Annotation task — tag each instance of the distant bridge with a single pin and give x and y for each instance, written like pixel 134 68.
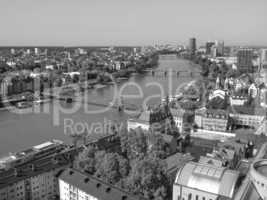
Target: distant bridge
pixel 108 104
pixel 176 73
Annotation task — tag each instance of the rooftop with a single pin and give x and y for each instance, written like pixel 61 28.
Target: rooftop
pixel 93 186
pixel 247 191
pixel 145 116
pixel 43 146
pixel 30 151
pixel 41 166
pixel 262 153
pixel 208 178
pixel 261 167
pixel 176 161
pixel 177 112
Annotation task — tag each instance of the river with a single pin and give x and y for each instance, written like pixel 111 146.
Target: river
pixel 21 131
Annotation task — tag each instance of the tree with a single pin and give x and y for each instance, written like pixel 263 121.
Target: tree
pixel 157 146
pixel 86 160
pixel 148 177
pixel 133 143
pixel 213 71
pixel 113 168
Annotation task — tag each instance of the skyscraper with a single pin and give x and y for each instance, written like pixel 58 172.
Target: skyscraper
pixel 244 60
pixel 192 46
pixel 208 47
pixel 220 48
pixel 264 56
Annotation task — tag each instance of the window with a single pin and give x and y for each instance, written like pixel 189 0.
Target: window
pixel 190 196
pixel 196 197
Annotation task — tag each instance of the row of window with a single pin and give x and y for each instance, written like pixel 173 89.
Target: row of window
pixel 260 184
pixel 190 197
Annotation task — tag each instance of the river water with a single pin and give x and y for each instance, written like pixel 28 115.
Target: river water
pixel 21 131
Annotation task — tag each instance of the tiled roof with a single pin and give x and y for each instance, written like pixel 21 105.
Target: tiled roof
pixel 215 112
pixel 212 113
pixel 95 187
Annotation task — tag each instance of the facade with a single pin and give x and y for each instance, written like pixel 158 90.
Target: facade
pixel 220 48
pixel 76 185
pixel 192 46
pixel 238 100
pixel 247 119
pixel 264 56
pixel 36 51
pixel 39 187
pixel 244 60
pixel 15 191
pixel 213 120
pixel 178 118
pixel 208 47
pixel 157 119
pixel 204 182
pixel 43 186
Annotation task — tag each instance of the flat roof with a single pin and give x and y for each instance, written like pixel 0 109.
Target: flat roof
pixel 7 159
pixel 43 145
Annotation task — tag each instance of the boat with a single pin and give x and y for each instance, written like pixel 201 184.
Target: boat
pixel 41 101
pixel 67 91
pixel 99 86
pixel 24 104
pixel 172 98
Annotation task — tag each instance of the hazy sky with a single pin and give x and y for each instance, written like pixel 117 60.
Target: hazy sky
pixel 131 22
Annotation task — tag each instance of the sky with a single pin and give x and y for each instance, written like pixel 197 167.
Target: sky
pixel 131 22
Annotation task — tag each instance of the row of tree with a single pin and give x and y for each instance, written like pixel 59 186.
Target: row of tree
pixel 139 168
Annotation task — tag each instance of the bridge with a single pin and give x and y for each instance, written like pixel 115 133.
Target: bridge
pixel 171 72
pixel 78 98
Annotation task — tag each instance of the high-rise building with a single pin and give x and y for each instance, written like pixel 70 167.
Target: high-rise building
pixel 214 51
pixel 208 47
pixel 12 51
pixel 36 51
pixel 244 60
pixel 264 57
pixel 220 48
pixel 192 46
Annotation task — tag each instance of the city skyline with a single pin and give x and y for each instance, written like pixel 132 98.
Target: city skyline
pixel 102 23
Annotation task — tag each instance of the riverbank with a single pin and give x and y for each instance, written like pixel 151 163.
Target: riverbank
pixel 30 129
